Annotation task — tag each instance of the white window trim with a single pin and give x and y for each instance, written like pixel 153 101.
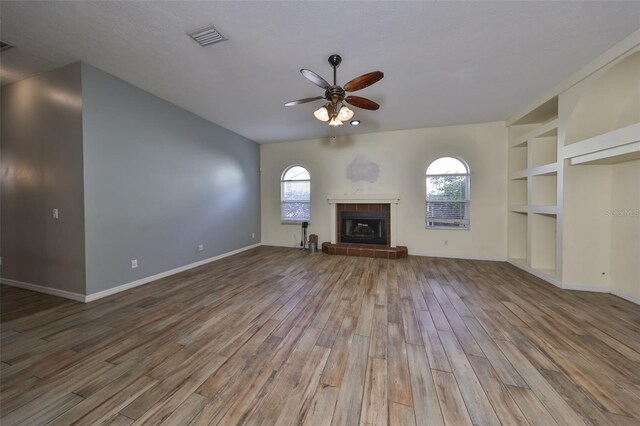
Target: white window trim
pixel 284 221
pixel 467 200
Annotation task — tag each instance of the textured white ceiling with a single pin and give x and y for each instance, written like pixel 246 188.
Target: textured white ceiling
pixel 444 63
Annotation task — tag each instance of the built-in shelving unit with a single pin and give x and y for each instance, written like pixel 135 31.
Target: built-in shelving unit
pixel 571 152
pixel 535 160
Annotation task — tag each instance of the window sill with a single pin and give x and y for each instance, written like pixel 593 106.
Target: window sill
pixel 294 222
pixel 446 228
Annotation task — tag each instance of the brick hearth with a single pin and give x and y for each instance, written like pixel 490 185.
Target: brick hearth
pixel 365 250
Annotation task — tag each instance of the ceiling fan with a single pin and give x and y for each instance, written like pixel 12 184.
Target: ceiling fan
pixel 334 111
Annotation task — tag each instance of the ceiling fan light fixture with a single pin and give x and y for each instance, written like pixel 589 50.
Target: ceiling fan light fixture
pixel 345 114
pixel 322 114
pixel 335 122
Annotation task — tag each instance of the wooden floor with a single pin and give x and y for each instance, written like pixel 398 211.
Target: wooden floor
pixel 276 336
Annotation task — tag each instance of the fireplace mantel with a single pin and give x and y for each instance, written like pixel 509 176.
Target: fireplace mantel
pixel 391 199
pixel 363 198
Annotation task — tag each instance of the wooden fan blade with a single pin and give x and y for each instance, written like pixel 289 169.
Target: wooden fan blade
pixel 363 103
pixel 315 78
pixel 303 101
pixel 365 80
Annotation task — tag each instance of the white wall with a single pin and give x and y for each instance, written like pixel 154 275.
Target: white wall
pixel 611 100
pixel 625 229
pixel 403 157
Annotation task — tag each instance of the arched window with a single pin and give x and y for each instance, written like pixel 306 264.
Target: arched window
pixel 447 195
pixel 295 195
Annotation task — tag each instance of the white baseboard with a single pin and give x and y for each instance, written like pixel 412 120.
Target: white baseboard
pixel 99 295
pixel 541 275
pixel 590 288
pixel 145 280
pixel 42 289
pixel 296 246
pixel 454 256
pixel 630 298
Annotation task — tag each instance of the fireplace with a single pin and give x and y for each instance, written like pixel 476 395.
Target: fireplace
pixel 363 227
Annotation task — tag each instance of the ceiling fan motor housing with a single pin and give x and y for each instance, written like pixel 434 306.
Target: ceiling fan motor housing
pixel 335 94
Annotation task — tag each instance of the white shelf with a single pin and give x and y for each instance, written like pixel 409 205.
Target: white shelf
pixel 549 128
pixel 520 174
pixel 620 154
pixel 548 210
pixel 519 209
pixel 546 170
pixel 621 143
pixel 520 143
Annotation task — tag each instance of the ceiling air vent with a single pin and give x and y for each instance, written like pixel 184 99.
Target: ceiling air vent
pixel 206 36
pixel 4 46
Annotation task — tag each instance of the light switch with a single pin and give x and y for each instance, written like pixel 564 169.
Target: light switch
pixel 55 214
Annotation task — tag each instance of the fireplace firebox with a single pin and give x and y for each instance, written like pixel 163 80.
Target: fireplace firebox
pixel 363 227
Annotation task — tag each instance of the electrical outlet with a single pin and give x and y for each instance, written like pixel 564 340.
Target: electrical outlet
pixel 253 235
pixel 446 242
pixel 200 247
pixel 55 214
pixel 134 263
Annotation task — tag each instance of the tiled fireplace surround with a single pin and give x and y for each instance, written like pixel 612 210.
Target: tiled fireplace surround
pixel 381 203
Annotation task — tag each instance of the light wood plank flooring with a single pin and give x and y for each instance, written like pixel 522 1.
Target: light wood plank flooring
pixel 276 336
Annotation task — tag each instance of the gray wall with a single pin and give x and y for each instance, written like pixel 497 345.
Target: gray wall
pixel 41 169
pixel 159 181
